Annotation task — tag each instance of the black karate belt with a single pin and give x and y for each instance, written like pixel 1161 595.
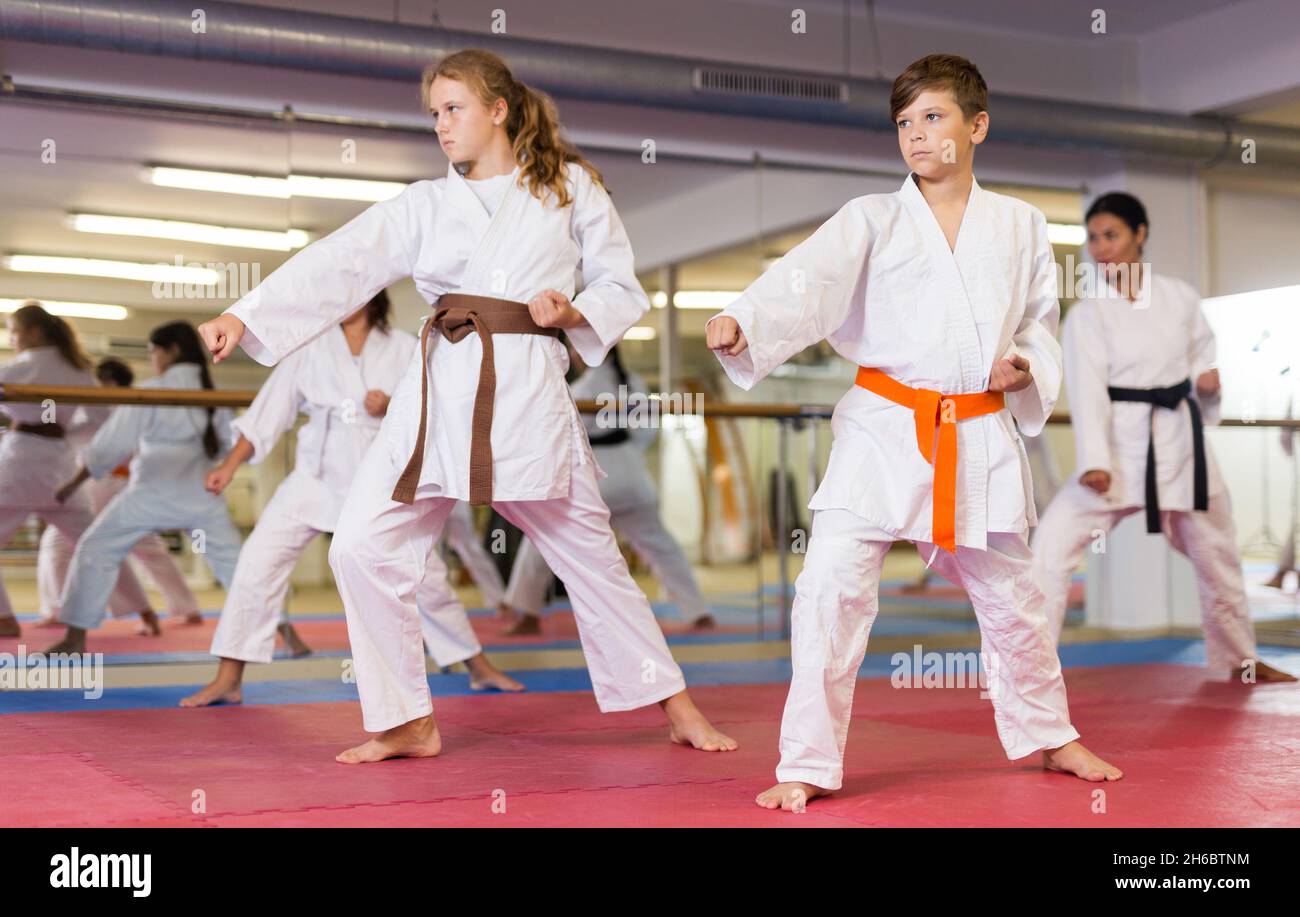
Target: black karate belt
pixel 610 437
pixel 48 430
pixel 1169 398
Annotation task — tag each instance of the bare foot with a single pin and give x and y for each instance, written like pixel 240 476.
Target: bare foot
pixel 226 688
pixel 189 619
pixel 297 647
pixel 916 587
pixel 416 739
pixel 1277 579
pixel 484 676
pixel 506 613
pixel 9 627
pixel 1263 673
pixel 1073 758
pixel 218 692
pixel 687 725
pixel 74 641
pixel 149 626
pixel 526 625
pixel 704 622
pixel 792 797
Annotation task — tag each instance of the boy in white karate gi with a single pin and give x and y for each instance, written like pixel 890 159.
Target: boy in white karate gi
pixel 945 296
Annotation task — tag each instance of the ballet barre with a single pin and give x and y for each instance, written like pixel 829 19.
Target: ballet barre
pixel 787 416
pixel 236 398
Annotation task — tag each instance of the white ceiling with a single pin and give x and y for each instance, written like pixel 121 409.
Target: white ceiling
pixel 100 154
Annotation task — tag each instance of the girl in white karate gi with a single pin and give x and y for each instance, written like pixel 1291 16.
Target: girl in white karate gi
pixel 35 450
pixel 341 382
pixel 149 552
pixel 1146 339
pixel 171 450
pixel 518 216
pixel 631 497
pixel 945 295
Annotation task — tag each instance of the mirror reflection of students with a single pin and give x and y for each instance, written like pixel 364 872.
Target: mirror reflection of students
pixel 171 449
pixel 341 381
pixel 149 552
pixel 633 502
pixel 36 454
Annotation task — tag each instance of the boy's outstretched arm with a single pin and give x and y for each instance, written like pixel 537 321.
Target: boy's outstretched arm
pixel 802 299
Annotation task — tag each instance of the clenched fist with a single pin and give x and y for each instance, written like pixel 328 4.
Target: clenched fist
pixel 1097 479
pixel 218 479
pixel 1010 375
pixel 552 309
pixel 222 335
pixel 376 403
pixel 723 334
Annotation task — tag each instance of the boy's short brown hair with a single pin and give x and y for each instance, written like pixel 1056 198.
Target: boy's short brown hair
pixel 941 71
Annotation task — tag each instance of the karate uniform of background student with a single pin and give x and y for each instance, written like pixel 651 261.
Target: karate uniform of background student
pixel 631 497
pixel 1150 346
pixel 880 282
pixel 169 461
pixel 328 383
pixel 150 552
pixel 490 238
pixel 33 466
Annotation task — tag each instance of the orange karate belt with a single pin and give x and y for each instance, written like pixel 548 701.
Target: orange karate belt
pixel 456 316
pixel 932 410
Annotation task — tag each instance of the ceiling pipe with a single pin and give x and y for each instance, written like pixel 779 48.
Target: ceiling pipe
pixel 316 42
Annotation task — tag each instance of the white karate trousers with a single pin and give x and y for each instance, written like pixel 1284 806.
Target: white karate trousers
pixel 255 605
pixel 463 539
pixel 644 530
pixel 380 553
pixel 836 601
pixel 131 515
pixel 1208 539
pixel 72 519
pixel 128 597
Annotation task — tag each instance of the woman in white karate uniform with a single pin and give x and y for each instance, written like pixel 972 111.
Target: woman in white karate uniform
pixel 171 451
pixel 497 246
pixel 35 453
pixel 1139 369
pixel 341 382
pixel 944 295
pixel 630 495
pixel 149 552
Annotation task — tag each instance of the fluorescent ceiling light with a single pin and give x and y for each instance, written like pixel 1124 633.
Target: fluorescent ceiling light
pixel 270 240
pixel 342 189
pixel 1066 234
pixel 119 270
pixel 640 333
pixel 71 309
pixel 716 300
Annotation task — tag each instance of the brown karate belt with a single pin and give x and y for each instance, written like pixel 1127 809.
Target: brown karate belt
pixel 457 315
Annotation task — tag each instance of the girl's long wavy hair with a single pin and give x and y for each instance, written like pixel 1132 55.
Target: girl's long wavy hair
pixel 55 331
pixel 189 349
pixel 533 124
